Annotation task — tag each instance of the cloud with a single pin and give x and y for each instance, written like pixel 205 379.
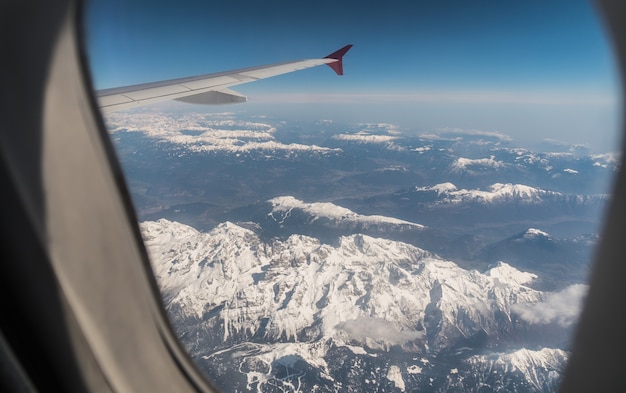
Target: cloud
pixel 461 132
pixel 365 138
pixel 377 332
pixel 559 307
pixel 445 97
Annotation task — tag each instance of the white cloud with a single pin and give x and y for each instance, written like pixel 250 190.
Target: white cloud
pixel 365 138
pixel 377 332
pixel 559 307
pixel 459 131
pixel 450 97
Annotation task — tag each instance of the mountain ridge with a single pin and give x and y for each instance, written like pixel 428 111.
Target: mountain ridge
pixel 371 296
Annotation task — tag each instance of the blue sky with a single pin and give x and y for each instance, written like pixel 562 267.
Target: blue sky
pixel 530 69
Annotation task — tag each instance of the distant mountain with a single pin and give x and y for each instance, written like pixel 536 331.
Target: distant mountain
pixel 286 215
pixel 498 193
pixel 441 195
pixel 496 209
pixel 364 255
pixel 560 262
pixel 283 207
pixel 203 169
pixel 212 136
pixel 293 311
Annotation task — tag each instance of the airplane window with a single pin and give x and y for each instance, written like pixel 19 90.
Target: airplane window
pixel 424 222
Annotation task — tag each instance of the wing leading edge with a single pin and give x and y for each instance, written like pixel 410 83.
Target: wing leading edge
pixel 208 89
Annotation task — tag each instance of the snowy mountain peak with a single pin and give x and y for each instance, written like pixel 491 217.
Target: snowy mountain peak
pixel 532 233
pixel 539 368
pixel 441 188
pixel 516 190
pixel 507 273
pixel 496 193
pixel 464 164
pixel 286 204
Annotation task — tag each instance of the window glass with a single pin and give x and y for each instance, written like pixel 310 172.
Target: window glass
pixel 424 222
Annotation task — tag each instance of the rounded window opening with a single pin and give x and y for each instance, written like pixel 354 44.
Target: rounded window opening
pixel 423 222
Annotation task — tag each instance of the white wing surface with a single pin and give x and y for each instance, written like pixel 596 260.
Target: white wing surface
pixel 210 89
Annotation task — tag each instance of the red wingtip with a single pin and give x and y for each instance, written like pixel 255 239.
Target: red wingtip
pixel 337 66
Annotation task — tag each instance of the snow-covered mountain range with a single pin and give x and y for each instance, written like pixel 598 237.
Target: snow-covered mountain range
pixel 499 193
pixel 203 133
pixel 373 297
pixel 496 193
pixel 284 206
pixel 325 256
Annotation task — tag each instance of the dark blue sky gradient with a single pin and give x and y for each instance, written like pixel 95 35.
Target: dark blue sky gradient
pixel 526 49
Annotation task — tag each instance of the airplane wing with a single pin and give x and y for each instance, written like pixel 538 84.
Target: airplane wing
pixel 210 89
